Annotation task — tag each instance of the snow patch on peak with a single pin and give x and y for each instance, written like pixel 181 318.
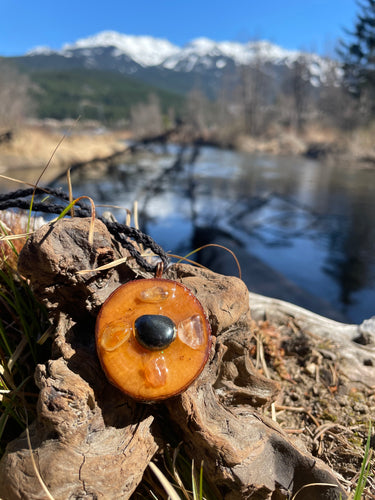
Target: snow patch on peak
pixel 240 53
pixel 201 45
pixel 40 50
pixel 145 50
pixel 271 52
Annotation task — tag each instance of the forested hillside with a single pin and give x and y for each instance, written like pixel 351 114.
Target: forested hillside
pixel 93 94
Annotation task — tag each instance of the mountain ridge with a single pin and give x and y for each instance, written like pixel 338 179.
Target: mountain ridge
pixel 150 51
pixel 202 64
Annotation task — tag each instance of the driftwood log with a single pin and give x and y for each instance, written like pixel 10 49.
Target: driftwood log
pixel 91 441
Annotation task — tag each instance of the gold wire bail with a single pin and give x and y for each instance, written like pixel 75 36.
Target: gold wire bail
pixel 159 269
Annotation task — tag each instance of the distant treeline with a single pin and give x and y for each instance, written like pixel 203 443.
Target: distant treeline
pixel 99 95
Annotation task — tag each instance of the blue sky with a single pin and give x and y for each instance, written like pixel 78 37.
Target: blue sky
pixel 312 25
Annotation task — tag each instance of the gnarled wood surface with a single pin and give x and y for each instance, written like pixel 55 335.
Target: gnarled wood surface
pixel 92 441
pixel 354 343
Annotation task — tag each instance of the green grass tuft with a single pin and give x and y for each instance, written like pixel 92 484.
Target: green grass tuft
pixel 23 320
pixel 365 468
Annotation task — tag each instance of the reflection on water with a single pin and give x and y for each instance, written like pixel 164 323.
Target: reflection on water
pixel 314 223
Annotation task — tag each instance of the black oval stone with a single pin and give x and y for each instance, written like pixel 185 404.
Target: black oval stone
pixel 154 331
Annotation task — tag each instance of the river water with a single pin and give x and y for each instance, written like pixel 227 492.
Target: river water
pixel 312 222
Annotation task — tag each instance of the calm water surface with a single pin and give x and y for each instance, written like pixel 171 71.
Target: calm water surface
pixel 313 222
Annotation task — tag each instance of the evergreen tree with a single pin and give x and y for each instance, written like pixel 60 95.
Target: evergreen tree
pixel 358 57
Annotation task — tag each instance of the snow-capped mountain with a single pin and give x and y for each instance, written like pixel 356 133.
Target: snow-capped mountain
pixel 162 63
pixel 207 53
pixel 150 51
pixel 144 50
pixel 204 50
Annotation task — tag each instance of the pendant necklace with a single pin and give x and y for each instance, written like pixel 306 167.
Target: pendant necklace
pixel 152 337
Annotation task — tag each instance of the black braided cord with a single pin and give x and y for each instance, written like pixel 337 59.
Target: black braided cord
pixel 121 232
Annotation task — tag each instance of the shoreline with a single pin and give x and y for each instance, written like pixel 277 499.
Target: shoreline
pixel 32 148
pixel 62 145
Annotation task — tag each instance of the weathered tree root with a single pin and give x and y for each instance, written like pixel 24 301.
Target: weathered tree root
pixel 90 440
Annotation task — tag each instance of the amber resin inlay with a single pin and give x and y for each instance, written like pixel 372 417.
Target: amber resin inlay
pixel 142 370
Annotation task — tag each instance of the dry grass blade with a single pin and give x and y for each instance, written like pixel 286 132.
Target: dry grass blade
pixel 128 218
pixel 41 174
pixel 185 259
pixel 39 477
pixel 46 335
pixel 218 246
pixel 6 380
pixel 312 485
pixel 92 222
pixel 136 220
pixel 321 429
pixel 164 482
pixel 11 237
pixel 261 360
pixel 5 177
pixel 55 149
pixel 17 353
pixel 135 214
pixel 70 189
pixel 176 474
pixel 118 207
pixel 104 267
pixel 50 159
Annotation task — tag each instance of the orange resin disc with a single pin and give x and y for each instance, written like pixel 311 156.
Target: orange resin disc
pixel 134 358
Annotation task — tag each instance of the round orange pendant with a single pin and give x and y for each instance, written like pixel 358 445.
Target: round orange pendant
pixel 153 338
